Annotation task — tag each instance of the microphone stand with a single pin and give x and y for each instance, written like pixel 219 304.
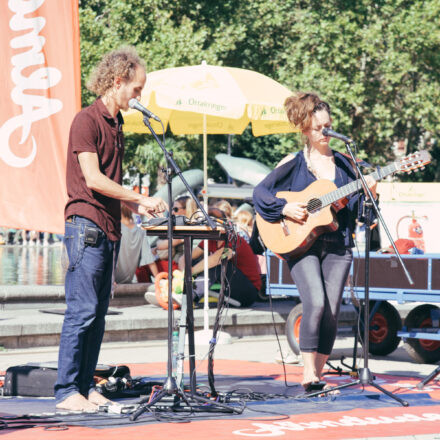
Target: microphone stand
pixel 170 386
pixel 365 376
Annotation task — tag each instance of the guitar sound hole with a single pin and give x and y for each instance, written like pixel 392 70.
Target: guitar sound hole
pixel 314 205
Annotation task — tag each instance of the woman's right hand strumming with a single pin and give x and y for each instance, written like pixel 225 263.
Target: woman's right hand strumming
pixel 296 211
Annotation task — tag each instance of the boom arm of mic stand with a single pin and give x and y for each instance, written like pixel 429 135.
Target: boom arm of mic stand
pixel 377 211
pixel 178 172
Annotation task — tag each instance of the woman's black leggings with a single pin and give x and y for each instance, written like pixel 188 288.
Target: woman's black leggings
pixel 320 276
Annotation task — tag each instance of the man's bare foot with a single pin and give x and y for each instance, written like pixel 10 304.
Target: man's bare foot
pixel 77 402
pixel 98 399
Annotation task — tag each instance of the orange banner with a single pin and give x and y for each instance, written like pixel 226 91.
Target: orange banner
pixel 40 94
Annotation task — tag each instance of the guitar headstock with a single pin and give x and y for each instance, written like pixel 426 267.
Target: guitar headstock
pixel 413 161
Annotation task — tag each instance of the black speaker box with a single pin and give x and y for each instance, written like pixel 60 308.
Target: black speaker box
pixel 38 380
pixel 30 380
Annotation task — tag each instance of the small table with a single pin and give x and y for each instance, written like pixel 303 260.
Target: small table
pixel 188 233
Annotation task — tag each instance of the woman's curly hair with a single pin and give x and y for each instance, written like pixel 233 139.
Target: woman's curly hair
pixel 301 106
pixel 121 63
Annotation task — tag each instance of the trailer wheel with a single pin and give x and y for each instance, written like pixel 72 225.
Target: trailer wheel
pixel 384 326
pixel 424 351
pixel 292 327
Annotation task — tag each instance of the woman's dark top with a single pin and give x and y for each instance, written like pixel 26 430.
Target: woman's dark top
pixel 295 176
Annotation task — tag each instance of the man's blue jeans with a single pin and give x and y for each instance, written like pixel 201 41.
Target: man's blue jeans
pixel 87 287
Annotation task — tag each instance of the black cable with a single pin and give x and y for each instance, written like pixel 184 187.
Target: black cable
pixel 223 302
pixel 213 341
pixel 277 337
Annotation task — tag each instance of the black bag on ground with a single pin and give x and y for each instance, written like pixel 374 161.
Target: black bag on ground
pixel 29 380
pixel 38 379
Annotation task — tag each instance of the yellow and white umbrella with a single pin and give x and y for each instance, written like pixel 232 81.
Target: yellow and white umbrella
pixel 231 98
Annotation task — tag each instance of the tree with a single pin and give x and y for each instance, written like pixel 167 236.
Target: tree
pixel 377 63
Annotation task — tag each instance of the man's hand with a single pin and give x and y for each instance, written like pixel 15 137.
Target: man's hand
pixel 296 211
pixel 151 206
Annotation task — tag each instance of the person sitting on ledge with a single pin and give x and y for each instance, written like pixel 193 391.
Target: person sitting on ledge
pixel 134 251
pixel 242 270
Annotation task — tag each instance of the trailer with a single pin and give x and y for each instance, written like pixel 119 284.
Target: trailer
pixel 420 328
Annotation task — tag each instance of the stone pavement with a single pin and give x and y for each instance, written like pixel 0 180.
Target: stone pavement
pixel 38 326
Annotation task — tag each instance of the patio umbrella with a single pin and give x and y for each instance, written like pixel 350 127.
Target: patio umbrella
pixel 245 170
pixel 194 178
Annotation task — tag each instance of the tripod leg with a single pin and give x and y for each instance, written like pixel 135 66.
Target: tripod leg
pixel 202 399
pixel 421 384
pixel 329 390
pixel 389 394
pixel 143 407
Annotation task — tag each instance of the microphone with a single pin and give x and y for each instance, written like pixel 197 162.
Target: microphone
pixel 136 105
pixel 333 134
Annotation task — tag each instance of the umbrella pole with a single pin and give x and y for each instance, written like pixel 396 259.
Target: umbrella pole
pixel 206 250
pixel 204 336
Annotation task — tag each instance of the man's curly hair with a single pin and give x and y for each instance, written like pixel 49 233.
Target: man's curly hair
pixel 121 63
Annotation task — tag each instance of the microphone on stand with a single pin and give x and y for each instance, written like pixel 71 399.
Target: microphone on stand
pixel 329 132
pixel 136 105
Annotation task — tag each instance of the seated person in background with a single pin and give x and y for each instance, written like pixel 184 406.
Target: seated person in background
pixel 242 270
pixel 192 210
pixel 134 251
pixel 225 207
pixel 244 221
pixel 179 208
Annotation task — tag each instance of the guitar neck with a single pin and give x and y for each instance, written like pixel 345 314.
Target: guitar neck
pixel 354 186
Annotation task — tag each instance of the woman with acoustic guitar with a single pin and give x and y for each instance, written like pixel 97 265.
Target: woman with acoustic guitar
pixel 320 266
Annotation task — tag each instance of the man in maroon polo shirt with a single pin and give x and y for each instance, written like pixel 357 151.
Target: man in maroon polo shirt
pixel 93 223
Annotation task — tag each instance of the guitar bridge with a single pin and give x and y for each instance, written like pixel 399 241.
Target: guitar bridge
pixel 285 228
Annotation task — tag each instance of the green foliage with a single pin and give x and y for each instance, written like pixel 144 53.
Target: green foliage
pixel 377 63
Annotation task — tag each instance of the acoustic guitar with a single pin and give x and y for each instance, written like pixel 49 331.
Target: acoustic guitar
pixel 288 238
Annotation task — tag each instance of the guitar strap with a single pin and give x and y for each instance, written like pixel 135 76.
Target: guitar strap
pixel 359 161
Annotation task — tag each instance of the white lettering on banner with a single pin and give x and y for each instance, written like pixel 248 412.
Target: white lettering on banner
pixel 277 429
pixel 34 107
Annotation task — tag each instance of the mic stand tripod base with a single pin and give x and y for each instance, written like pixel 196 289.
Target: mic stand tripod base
pixel 365 378
pixel 169 388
